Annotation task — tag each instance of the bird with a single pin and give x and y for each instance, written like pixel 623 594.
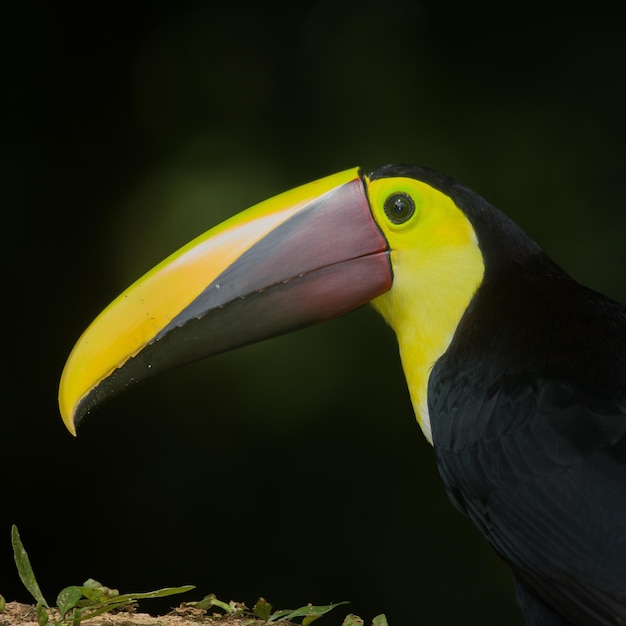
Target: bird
pixel 516 372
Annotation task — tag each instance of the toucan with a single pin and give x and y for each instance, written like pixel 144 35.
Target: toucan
pixel 516 372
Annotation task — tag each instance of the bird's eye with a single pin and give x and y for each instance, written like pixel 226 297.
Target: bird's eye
pixel 399 207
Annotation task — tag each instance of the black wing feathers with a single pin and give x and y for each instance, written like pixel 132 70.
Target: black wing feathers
pixel 552 502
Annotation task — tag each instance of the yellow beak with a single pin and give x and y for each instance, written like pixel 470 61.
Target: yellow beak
pixel 305 256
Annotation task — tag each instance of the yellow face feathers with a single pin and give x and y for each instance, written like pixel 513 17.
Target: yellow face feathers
pixel 437 267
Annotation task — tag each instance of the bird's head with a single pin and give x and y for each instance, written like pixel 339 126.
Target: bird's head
pixel 395 237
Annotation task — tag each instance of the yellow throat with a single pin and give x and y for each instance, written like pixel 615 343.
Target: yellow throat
pixel 437 267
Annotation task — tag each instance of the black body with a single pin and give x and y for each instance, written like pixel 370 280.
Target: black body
pixel 528 415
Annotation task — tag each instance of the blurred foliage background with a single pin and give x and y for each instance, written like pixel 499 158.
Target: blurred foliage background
pixel 292 469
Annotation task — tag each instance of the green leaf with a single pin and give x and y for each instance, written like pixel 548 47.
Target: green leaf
pixel 94 611
pixel 352 620
pixel 96 599
pixel 96 591
pixel 3 604
pixel 42 614
pixel 308 611
pixel 159 593
pixel 24 568
pixel 91 595
pixel 262 609
pixel 211 600
pixel 68 598
pixel 76 617
pixel 94 584
pixel 380 620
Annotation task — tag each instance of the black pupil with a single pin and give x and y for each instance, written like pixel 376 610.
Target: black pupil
pixel 399 207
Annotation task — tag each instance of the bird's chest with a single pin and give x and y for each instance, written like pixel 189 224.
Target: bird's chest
pixel 482 424
pixel 495 430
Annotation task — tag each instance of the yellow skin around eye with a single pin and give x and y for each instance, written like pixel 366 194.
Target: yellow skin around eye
pixel 437 267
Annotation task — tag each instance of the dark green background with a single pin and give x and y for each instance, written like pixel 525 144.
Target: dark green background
pixel 293 469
